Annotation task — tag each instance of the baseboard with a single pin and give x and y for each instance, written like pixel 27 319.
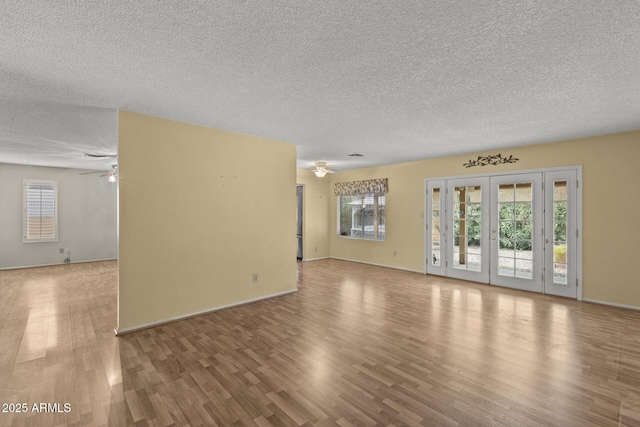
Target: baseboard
pixel 378 265
pixel 57 263
pixel 122 331
pixel 595 301
pixel 315 259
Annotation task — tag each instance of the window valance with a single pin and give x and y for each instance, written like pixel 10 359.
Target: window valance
pixel 367 186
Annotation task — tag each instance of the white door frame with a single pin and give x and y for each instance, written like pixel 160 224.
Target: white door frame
pixel 578 219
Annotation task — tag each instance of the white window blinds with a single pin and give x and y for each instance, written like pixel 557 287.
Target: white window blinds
pixel 40 211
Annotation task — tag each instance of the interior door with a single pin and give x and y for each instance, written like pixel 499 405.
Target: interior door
pixel 561 233
pixel 467 229
pixel 516 231
pixel 436 236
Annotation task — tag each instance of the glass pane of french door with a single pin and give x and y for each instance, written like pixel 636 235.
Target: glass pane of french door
pixel 559 224
pixel 436 238
pixel 467 222
pixel 560 234
pixel 467 230
pixel 516 231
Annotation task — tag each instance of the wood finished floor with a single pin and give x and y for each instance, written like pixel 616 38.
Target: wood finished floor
pixel 357 345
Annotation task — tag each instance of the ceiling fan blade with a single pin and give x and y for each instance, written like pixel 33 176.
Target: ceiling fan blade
pixel 89 173
pixel 99 156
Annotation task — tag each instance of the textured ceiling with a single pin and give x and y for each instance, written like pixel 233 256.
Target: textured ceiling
pixel 396 81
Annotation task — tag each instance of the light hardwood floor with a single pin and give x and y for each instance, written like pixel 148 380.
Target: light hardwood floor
pixel 357 345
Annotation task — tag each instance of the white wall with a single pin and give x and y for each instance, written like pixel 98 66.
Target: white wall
pixel 86 217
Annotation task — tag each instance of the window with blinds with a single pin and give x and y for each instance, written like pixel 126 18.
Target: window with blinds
pixel 40 211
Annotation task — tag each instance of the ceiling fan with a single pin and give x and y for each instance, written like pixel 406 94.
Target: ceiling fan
pixel 321 169
pixel 111 173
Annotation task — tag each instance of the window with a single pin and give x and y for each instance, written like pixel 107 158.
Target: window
pixel 362 216
pixel 40 211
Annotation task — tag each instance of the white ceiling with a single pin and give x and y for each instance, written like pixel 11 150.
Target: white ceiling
pixel 396 81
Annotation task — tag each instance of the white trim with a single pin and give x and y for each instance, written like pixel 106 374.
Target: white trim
pixel 579 228
pixel 361 238
pixel 513 172
pixel 425 222
pixel 303 220
pixel 315 259
pixel 120 331
pixel 613 304
pixel 378 265
pixel 54 264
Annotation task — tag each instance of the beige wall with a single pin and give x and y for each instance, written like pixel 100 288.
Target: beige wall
pixel 198 216
pixel 610 204
pixel 315 222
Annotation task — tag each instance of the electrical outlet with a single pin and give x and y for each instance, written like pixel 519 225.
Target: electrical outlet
pixel 395 253
pixel 316 249
pixel 61 250
pixel 255 277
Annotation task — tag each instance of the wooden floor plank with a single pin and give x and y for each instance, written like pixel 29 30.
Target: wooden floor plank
pixel 357 345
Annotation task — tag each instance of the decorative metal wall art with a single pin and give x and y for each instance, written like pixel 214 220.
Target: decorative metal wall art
pixel 493 159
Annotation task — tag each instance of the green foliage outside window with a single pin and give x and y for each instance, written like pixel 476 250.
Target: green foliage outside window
pixel 516 229
pixel 515 224
pixel 560 222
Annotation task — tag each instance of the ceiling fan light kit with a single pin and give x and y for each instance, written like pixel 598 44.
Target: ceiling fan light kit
pixel 111 173
pixel 321 169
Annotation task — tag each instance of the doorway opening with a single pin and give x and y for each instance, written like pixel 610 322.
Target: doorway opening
pixel 299 207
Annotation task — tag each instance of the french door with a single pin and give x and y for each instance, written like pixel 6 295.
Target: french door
pixel 467 227
pixel 436 237
pixel 516 231
pixel 513 230
pixel 561 233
